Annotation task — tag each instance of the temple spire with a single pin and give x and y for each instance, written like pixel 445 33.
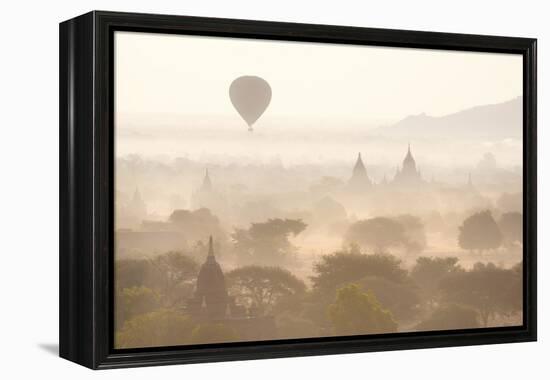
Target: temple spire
pixel 206 183
pixel 138 204
pixel 359 166
pixel 210 247
pixel 409 174
pixel 359 178
pixel 409 156
pixel 409 164
pixel 211 294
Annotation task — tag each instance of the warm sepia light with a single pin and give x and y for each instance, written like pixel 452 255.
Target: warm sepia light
pixel 339 190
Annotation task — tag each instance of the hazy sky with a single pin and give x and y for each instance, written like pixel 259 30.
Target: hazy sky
pixel 182 74
pixel 167 85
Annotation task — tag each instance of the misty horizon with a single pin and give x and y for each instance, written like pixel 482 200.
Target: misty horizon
pixel 261 185
pixel 380 144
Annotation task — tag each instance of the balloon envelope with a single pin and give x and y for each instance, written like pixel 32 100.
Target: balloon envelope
pixel 250 96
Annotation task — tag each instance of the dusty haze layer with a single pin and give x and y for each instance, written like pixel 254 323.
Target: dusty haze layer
pixel 391 177
pixel 172 95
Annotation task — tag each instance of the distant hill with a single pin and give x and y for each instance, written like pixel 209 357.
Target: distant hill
pixel 495 121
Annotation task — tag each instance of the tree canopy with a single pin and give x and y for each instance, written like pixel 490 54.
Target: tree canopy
pixel 163 327
pixel 131 272
pixel 344 267
pixel 135 301
pixel 511 226
pixel 267 242
pixel 479 232
pixel 263 287
pixel 356 312
pixel 378 234
pixel 415 233
pixel 171 276
pixel 400 298
pixel 450 317
pixel 428 272
pixel 174 275
pixel 489 289
pixel 198 224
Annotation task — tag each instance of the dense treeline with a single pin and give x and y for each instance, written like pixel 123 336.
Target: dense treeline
pixel 350 292
pixel 363 288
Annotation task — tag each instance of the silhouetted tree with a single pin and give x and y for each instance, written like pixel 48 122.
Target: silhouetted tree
pixel 132 272
pixel 377 233
pixel 135 301
pixel 511 226
pixel 350 266
pixel 267 242
pixel 415 234
pixel 428 273
pixel 400 298
pixel 171 275
pixel 263 286
pixel 487 288
pixel 450 317
pixel 163 327
pixel 479 232
pixel 356 312
pixel 198 224
pixel 342 267
pixel 174 276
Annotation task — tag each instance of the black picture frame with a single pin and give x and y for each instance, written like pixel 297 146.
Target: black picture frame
pixel 86 188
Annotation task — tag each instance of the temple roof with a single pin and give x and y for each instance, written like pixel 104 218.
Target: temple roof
pixel 409 159
pixel 211 280
pixel 359 166
pixel 409 174
pixel 359 178
pixel 206 182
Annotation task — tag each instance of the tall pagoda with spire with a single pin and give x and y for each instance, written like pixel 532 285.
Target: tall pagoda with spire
pixel 211 297
pixel 137 207
pixel 359 178
pixel 206 196
pixel 206 183
pixel 409 174
pixel 212 303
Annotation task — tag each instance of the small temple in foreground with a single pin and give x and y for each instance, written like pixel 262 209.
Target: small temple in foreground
pixel 212 304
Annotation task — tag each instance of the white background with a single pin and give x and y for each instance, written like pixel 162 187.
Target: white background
pixel 29 190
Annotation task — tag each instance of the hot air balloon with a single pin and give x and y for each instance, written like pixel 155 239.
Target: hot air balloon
pixel 250 96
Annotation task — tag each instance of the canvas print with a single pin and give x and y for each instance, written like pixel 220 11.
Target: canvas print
pixel 273 190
